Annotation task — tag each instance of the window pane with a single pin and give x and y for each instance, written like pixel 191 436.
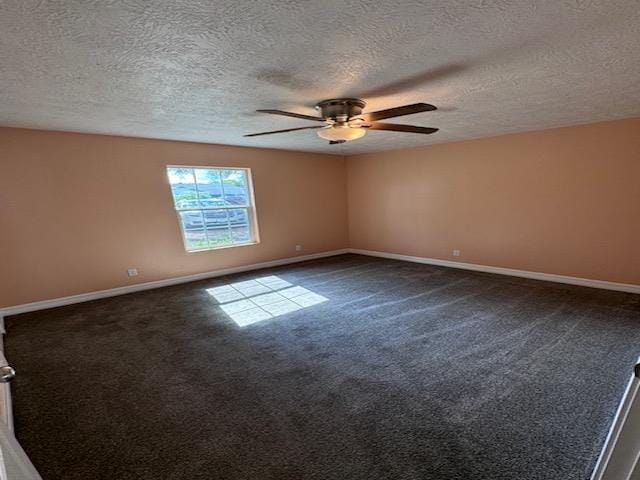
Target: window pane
pixel 235 187
pixel 183 187
pixel 239 221
pixel 216 219
pixel 202 197
pixel 193 229
pixel 209 187
pixel 217 225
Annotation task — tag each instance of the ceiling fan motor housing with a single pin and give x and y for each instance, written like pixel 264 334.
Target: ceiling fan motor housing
pixel 341 109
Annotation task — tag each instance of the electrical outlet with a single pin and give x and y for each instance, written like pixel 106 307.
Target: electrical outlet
pixel 456 253
pixel 298 248
pixel 132 272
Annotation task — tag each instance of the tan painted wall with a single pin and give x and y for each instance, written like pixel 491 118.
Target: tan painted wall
pixel 563 201
pixel 77 210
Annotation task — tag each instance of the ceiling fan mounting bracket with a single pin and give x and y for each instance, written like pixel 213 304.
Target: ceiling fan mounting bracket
pixel 340 107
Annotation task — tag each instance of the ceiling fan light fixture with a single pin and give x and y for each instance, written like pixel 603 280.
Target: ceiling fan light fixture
pixel 335 133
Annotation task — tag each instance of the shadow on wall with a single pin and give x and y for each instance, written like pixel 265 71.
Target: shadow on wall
pixel 263 298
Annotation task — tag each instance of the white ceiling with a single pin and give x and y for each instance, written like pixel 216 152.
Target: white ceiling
pixel 197 69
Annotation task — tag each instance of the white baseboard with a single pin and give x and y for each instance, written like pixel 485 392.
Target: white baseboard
pixel 112 292
pixel 550 277
pixel 85 297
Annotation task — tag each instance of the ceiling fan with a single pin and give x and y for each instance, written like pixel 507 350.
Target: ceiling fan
pixel 343 120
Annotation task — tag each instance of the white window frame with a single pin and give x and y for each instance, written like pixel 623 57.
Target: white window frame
pixel 250 207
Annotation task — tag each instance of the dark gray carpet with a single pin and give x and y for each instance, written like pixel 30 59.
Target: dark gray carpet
pixel 407 372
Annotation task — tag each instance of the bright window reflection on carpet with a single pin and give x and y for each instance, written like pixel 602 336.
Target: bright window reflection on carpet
pixel 262 298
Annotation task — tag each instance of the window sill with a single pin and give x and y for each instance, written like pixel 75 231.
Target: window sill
pixel 208 249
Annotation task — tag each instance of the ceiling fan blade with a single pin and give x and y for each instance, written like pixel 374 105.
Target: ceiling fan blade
pixel 283 131
pixel 397 112
pixel 291 114
pixel 392 127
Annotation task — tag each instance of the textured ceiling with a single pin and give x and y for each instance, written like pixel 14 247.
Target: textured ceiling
pixel 196 70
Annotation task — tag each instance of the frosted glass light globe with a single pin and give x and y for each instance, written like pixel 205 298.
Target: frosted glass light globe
pixel 341 132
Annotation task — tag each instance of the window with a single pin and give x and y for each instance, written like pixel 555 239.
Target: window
pixel 214 206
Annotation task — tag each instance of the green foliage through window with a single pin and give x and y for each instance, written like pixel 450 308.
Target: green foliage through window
pixel 214 206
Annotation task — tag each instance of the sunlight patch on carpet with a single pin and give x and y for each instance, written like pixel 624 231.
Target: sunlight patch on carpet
pixel 256 300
